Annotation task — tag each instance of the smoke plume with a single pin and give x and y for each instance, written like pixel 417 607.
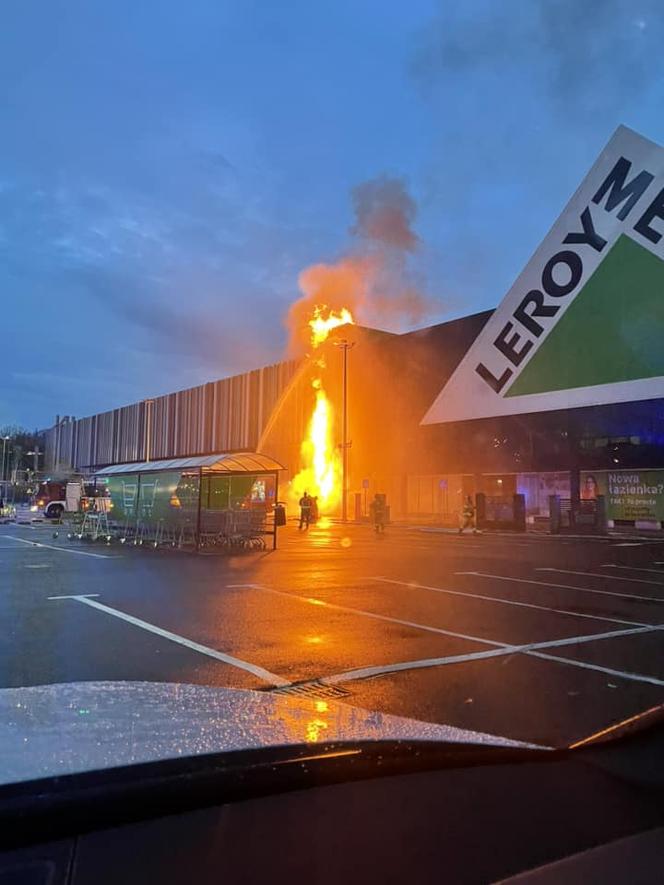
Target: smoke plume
pixel 385 213
pixel 373 279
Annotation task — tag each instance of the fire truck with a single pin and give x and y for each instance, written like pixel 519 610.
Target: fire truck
pixel 55 497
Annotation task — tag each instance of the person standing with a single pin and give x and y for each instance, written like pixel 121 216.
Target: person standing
pixel 305 510
pixel 378 513
pixel 313 509
pixel 467 519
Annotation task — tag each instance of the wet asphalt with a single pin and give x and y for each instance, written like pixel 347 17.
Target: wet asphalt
pixel 530 637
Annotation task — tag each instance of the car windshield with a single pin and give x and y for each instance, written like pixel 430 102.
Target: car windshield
pixel 368 443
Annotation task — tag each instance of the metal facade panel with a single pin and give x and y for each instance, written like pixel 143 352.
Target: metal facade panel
pixel 223 415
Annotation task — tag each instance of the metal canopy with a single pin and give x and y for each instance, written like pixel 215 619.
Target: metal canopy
pixel 231 462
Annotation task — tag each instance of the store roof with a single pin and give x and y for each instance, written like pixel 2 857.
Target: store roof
pixel 231 462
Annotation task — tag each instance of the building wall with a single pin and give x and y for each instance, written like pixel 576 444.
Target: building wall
pixel 221 416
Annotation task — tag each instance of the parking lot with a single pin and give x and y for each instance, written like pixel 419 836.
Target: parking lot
pixel 531 637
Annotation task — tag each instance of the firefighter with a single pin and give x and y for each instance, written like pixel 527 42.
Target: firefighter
pixel 378 513
pixel 313 512
pixel 467 516
pixel 305 510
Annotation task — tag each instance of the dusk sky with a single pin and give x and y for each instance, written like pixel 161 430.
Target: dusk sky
pixel 168 168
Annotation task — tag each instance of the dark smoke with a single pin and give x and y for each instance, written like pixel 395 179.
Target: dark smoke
pixel 385 213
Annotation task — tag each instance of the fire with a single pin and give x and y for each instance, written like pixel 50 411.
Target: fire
pixel 324 457
pixel 321 474
pixel 321 325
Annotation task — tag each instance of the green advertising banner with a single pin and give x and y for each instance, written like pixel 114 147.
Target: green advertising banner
pixel 630 494
pixel 170 497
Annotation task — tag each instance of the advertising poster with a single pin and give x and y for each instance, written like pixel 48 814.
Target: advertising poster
pixel 630 494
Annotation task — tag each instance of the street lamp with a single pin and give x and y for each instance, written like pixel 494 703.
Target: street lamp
pixel 345 346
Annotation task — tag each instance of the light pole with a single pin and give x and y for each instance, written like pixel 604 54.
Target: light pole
pixel 4 447
pixel 345 346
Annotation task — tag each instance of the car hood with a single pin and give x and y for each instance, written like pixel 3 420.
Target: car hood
pixel 51 730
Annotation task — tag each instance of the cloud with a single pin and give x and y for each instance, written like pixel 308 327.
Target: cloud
pixel 165 320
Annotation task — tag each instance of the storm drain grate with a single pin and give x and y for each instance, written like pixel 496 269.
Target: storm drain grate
pixel 317 690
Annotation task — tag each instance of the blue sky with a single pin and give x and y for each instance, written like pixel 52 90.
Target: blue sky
pixel 168 168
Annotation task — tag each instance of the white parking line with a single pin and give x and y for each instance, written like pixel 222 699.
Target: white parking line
pixel 507 650
pixel 79 596
pixel 544 608
pixel 633 568
pixel 634 677
pixel 564 571
pixel 63 549
pixel 500 648
pixel 563 586
pixel 259 672
pixel 592 637
pixel 423 663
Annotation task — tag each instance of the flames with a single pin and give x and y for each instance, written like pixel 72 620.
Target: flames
pixel 321 473
pixel 322 325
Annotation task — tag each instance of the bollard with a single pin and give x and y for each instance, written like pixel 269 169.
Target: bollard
pixel 519 512
pixel 600 515
pixel 554 514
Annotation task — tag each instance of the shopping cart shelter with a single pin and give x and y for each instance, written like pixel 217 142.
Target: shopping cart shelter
pixel 205 502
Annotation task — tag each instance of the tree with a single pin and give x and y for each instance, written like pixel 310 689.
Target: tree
pixel 17 442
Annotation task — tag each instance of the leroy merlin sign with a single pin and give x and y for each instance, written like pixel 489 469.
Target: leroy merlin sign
pixel 584 322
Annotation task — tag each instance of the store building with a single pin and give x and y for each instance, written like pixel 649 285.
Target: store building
pixel 559 390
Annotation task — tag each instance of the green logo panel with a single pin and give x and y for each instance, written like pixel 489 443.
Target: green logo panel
pixel 613 331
